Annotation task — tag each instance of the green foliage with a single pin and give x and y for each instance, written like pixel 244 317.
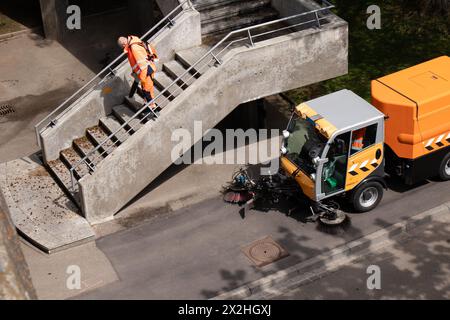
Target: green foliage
pixel 408 36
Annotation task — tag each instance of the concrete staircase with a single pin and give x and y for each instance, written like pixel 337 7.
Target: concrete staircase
pixel 109 126
pixel 127 161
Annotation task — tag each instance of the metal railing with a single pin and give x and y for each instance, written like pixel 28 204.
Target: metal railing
pixel 208 60
pixel 105 74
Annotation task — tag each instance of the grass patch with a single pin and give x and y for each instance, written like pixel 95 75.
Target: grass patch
pixel 408 36
pixel 8 25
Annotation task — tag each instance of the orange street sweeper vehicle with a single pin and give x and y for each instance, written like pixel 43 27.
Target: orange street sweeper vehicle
pixel 339 144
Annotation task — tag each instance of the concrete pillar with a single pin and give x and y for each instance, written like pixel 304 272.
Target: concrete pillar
pixel 54 18
pixel 143 13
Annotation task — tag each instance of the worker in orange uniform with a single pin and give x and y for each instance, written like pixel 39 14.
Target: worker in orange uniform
pixel 358 139
pixel 142 58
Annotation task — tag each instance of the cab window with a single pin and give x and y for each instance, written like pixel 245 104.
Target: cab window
pixel 363 138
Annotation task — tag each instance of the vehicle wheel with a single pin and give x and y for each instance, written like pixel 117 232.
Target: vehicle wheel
pixel 367 196
pixel 444 169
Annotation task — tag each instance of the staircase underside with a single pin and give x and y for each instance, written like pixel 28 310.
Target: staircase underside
pixel 40 210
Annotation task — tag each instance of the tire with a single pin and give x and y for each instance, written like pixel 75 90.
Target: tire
pixel 367 196
pixel 444 169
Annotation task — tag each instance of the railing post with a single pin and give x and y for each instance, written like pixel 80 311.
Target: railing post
pixel 72 179
pixel 317 19
pixel 38 136
pixel 250 38
pixel 89 165
pixel 217 59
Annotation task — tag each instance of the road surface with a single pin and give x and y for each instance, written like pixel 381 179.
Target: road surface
pixel 195 253
pixel 417 267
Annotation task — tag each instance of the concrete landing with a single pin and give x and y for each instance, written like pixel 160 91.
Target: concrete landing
pixel 50 220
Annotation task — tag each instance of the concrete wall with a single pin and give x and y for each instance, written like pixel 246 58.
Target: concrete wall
pixel 15 280
pixel 288 8
pixel 247 74
pixel 185 34
pixel 166 6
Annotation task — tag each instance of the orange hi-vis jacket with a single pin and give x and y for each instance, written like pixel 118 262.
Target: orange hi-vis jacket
pixel 138 57
pixel 140 62
pixel 358 139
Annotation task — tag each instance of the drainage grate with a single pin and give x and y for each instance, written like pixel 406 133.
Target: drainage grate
pixel 264 251
pixel 6 110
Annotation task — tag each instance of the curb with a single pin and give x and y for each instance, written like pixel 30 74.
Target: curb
pixel 15 34
pixel 311 269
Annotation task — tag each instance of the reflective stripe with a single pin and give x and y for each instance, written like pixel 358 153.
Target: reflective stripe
pixel 364 164
pixel 440 138
pixel 353 167
pixel 429 143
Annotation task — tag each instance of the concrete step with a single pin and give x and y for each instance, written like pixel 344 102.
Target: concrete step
pixel 136 103
pixel 71 158
pixel 163 81
pixel 189 57
pixel 61 174
pixel 228 10
pixel 97 135
pixel 124 114
pixel 238 22
pixel 201 5
pixel 111 124
pixel 175 70
pixel 84 147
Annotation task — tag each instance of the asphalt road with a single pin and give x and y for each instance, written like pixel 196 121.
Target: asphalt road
pixel 415 267
pixel 195 252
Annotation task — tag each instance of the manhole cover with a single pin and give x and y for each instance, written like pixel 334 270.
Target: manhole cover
pixel 6 110
pixel 265 251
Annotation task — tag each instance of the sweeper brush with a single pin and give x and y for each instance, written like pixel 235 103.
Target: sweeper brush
pixel 270 189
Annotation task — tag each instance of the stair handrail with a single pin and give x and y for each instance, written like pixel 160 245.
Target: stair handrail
pixel 64 107
pixel 91 166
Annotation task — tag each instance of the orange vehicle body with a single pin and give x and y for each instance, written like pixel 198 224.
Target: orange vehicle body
pixel 416 102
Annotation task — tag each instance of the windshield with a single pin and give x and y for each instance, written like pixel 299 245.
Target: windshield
pixel 304 144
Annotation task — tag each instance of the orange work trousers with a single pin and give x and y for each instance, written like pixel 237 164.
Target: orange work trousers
pixel 148 86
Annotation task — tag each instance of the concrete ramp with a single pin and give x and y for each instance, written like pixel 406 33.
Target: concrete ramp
pixel 40 210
